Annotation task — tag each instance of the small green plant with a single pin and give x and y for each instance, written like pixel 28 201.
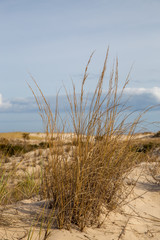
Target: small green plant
pixel 3 189
pixel 26 188
pixel 5 177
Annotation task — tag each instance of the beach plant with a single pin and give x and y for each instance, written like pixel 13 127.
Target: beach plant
pixel 26 188
pixel 79 187
pixel 25 136
pixel 157 134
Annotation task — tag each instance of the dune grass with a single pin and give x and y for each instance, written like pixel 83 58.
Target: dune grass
pixel 94 174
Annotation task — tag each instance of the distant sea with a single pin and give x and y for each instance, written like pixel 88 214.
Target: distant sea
pixel 31 122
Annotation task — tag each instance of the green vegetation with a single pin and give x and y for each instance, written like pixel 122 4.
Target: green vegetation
pixel 26 188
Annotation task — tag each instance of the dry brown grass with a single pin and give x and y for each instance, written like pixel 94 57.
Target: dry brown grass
pixel 11 135
pixel 94 175
pixel 19 136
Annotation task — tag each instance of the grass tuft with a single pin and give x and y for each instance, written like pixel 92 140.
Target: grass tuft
pixel 94 174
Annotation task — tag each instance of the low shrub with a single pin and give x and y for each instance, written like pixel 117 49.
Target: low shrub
pixel 157 134
pixel 144 147
pixel 10 149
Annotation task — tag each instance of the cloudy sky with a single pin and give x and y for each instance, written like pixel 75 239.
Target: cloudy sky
pixel 53 39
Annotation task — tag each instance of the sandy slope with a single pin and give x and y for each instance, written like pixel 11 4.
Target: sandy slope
pixel 139 219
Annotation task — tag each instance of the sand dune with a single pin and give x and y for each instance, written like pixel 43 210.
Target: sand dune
pixel 139 219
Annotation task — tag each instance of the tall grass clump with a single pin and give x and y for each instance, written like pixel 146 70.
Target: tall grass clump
pixel 79 187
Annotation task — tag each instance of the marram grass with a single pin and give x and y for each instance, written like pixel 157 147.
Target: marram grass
pixel 100 160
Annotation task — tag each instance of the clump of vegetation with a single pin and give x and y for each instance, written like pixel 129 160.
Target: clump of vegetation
pixel 157 135
pixel 26 188
pixel 10 149
pixel 25 136
pixel 144 147
pixel 43 145
pixel 94 176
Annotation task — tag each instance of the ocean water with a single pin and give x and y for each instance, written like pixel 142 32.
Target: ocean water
pixel 24 122
pixel 32 122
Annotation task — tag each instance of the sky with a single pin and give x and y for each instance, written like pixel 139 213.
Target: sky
pixel 52 40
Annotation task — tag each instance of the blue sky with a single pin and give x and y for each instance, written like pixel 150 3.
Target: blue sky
pixel 53 39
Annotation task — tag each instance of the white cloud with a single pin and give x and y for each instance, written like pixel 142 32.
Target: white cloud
pixel 137 98
pixel 0 99
pixel 153 93
pixel 4 104
pixel 156 92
